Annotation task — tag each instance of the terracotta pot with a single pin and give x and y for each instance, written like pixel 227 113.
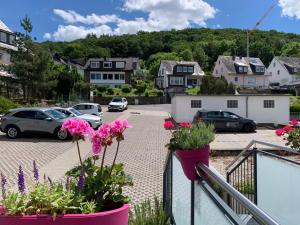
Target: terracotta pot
pixel 113 217
pixel 189 159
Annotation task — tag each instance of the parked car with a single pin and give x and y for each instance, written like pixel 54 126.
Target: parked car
pixel 94 121
pixel 33 120
pixel 89 108
pixel 118 104
pixel 224 120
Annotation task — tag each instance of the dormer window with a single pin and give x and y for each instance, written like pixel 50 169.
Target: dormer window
pixel 184 69
pixel 94 64
pixel 259 69
pixel 190 69
pixel 107 64
pixel 243 69
pixel 3 37
pixel 179 69
pixel 120 65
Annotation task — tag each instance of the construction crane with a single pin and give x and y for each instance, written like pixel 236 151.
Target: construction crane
pixel 249 31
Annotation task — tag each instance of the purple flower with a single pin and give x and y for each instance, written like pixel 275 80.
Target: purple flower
pixel 21 180
pixel 35 171
pixel 3 184
pixel 81 181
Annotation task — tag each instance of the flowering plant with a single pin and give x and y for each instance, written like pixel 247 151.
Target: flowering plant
pixel 290 134
pixel 90 187
pixel 189 136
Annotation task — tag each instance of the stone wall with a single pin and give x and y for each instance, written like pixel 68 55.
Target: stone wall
pixel 141 100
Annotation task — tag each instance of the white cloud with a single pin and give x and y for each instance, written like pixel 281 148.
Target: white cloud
pixel 162 15
pixel 290 8
pixel 47 36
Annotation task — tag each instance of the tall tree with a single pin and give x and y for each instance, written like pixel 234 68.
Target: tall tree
pixel 26 24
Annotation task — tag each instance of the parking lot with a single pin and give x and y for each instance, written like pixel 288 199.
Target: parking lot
pixel 143 152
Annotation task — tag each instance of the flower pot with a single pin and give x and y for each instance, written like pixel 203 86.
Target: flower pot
pixel 113 217
pixel 189 159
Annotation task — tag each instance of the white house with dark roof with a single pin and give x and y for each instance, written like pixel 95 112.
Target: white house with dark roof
pixel 7 38
pixel 242 71
pixel 284 71
pixel 176 76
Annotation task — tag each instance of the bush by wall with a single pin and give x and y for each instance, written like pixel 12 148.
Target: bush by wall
pixel 6 104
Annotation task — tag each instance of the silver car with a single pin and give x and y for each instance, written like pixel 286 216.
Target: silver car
pixel 94 121
pixel 33 120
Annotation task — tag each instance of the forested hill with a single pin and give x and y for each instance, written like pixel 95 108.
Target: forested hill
pixel 203 45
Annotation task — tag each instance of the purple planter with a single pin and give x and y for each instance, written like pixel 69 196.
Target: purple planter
pixel 113 217
pixel 189 159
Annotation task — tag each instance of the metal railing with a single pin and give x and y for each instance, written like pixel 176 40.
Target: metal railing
pixel 218 191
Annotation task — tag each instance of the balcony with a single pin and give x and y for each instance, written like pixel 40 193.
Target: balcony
pixel 260 188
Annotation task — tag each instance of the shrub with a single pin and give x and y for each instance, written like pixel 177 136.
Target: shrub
pixel 6 104
pixel 126 89
pixel 110 91
pixel 295 107
pixel 102 88
pixel 98 94
pixel 160 93
pixel 148 213
pixel 146 94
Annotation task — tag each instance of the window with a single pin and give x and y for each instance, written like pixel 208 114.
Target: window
pixel 217 72
pixel 40 116
pixel 184 69
pixel 3 37
pixel 278 72
pixel 94 64
pixel 241 69
pixel 230 115
pixel 260 69
pixel 214 114
pixel 122 77
pixel 107 64
pixel 269 104
pixel 245 69
pixel 274 64
pixel 117 76
pixel 190 69
pixel 11 39
pixel 176 80
pixel 104 76
pixel 95 76
pixel 236 79
pixel 120 65
pixel 25 114
pixel 179 69
pixel 98 76
pixel 270 73
pixel 196 103
pixel 232 104
pixel 110 76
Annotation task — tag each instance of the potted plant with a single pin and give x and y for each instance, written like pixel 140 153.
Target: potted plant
pixel 191 144
pixel 290 134
pixel 91 194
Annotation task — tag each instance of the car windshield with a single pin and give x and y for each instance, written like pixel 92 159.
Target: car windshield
pixel 76 112
pixel 117 100
pixel 55 114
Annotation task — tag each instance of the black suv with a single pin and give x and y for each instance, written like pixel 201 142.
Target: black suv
pixel 225 121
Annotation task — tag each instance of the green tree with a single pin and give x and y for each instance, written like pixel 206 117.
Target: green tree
pixel 291 49
pixel 200 57
pixel 154 61
pixel 26 24
pixel 187 55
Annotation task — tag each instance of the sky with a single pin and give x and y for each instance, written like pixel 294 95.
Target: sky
pixel 66 20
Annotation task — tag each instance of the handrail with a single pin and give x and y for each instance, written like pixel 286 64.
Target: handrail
pixel 258 214
pixel 254 142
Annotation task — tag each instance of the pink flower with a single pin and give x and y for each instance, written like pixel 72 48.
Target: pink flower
pixel 185 124
pixel 96 145
pixel 76 127
pixel 294 122
pixel 280 132
pixel 119 126
pixel 287 129
pixel 168 125
pixel 104 131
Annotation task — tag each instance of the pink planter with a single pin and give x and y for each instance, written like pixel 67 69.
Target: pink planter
pixel 189 159
pixel 113 217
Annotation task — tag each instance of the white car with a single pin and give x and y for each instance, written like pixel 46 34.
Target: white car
pixel 118 104
pixel 94 121
pixel 89 108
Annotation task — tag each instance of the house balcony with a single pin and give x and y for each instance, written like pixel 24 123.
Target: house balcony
pixel 260 188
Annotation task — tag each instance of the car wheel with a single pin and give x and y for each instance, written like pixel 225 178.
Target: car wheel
pixel 248 128
pixel 12 132
pixel 61 134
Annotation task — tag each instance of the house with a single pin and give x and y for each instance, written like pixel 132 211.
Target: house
pixel 113 72
pixel 284 71
pixel 7 38
pixel 242 71
pixel 263 108
pixel 76 64
pixel 176 76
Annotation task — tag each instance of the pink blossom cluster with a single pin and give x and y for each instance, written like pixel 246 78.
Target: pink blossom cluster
pixel 104 135
pixel 76 127
pixel 286 129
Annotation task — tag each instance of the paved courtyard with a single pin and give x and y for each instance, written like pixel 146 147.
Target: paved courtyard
pixel 143 152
